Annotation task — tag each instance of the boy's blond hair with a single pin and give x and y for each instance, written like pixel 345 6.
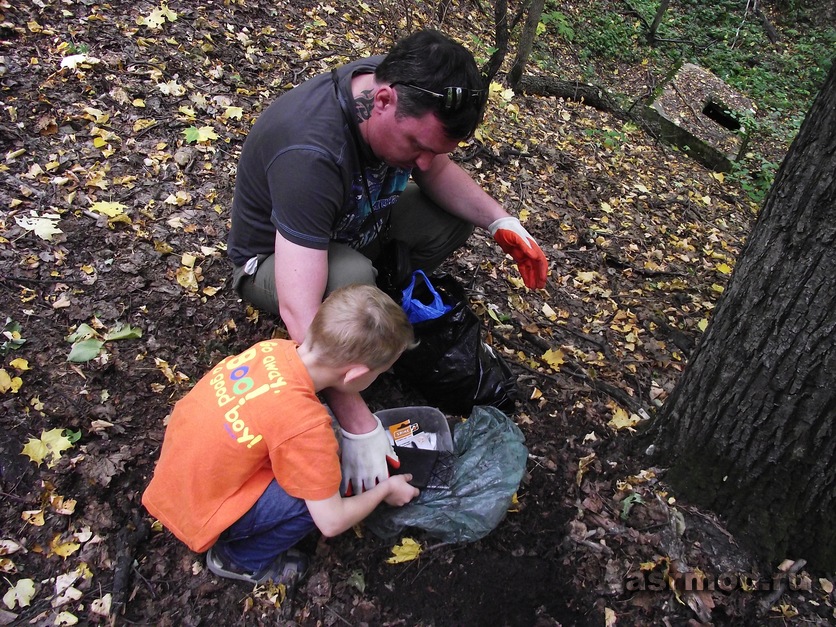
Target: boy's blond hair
pixel 359 324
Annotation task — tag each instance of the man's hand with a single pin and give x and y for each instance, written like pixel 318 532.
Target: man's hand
pixel 516 241
pixel 364 459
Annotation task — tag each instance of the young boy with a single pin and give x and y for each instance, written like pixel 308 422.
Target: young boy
pixel 249 464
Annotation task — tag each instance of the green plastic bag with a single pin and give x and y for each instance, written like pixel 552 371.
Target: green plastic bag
pixel 490 462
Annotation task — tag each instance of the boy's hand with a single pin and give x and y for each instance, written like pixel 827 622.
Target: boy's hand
pixel 364 459
pixel 400 492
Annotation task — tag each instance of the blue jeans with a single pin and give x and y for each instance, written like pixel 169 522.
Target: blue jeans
pixel 275 523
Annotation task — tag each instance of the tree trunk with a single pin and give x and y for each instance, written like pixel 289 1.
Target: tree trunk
pixel 750 431
pixel 591 95
pixel 501 35
pixel 526 41
pixel 657 19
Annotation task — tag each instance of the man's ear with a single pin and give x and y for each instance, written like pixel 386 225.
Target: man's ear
pixel 355 372
pixel 385 96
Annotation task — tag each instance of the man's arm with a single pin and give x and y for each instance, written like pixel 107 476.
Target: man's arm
pixel 334 515
pixel 450 187
pixel 301 277
pixel 453 190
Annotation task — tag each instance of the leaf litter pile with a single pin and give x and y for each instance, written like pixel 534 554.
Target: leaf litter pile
pixel 121 125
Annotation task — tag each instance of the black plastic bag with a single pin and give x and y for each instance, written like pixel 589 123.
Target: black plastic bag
pixel 452 367
pixel 489 462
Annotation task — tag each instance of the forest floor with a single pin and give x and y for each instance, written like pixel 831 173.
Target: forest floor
pixel 116 178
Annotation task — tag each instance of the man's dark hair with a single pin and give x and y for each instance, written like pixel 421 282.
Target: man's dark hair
pixel 428 61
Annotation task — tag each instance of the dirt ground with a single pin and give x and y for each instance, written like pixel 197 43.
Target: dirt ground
pixel 640 242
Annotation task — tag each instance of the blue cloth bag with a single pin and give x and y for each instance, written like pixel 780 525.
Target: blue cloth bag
pixel 422 302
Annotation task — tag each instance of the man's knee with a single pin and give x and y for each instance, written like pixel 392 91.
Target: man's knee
pixel 346 266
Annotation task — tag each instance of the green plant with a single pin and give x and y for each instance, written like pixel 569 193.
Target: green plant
pixel 608 138
pixel 754 177
pixel 74 48
pixel 560 23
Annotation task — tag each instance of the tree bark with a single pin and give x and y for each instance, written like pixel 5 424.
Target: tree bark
pixel 501 35
pixel 750 430
pixel 591 95
pixel 657 19
pixel 526 42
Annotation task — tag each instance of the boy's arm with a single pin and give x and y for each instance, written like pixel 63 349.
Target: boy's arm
pixel 334 515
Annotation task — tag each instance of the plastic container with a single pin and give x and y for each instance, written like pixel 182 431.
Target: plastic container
pixel 430 467
pixel 428 419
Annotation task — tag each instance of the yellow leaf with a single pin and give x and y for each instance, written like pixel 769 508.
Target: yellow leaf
pixel 516 281
pixel 63 549
pixel 549 312
pixel 186 277
pixel 108 208
pixel 621 420
pixel 406 551
pixel 20 594
pixel 143 123
pixel 723 268
pixel 138 103
pixel 233 112
pixel 188 260
pixel 718 175
pixel 65 618
pixel 717 288
pixel 702 324
pixel 583 464
pixel 554 358
pixel 586 277
pixel 8 382
pixel 35 450
pixel 52 442
pixel 62 506
pixel 34 517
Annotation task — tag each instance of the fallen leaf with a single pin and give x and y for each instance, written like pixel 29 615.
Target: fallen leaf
pixel 20 594
pixel 621 420
pixel 51 443
pixel 7 382
pixel 101 607
pixel 555 358
pixel 202 134
pixel 44 226
pixel 406 551
pixel 34 517
pixel 7 547
pixel 108 208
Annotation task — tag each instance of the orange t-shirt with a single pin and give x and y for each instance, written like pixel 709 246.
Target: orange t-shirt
pixel 253 417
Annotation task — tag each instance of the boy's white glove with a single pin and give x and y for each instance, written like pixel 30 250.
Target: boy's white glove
pixel 364 459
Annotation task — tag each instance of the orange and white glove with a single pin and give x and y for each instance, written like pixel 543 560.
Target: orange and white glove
pixel 516 241
pixel 364 459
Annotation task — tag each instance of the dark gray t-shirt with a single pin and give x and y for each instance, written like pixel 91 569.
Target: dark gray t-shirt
pixel 301 173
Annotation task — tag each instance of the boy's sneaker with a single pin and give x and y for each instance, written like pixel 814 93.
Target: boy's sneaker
pixel 288 568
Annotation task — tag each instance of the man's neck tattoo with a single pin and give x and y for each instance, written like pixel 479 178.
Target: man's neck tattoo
pixel 363 105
